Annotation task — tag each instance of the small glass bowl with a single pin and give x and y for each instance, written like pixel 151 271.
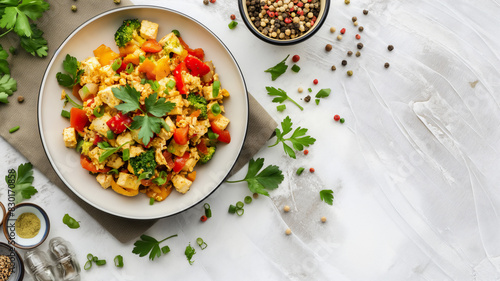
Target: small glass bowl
pixel 9 228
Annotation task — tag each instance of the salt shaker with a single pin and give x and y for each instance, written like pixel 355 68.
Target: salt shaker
pixel 66 262
pixel 39 266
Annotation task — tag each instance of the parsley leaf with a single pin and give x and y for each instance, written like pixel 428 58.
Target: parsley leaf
pixel 130 97
pixel 21 182
pixel 327 196
pixel 323 93
pixel 298 138
pixel 278 69
pixel 36 45
pixel 158 107
pixel 280 96
pixel 70 65
pixel 295 68
pixel 7 87
pixel 4 65
pixel 149 244
pixel 16 16
pixel 269 178
pixel 189 252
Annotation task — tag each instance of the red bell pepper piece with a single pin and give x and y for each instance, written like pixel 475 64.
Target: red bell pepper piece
pixel 87 165
pixel 180 162
pixel 196 66
pixel 119 123
pixel 224 135
pixel 78 119
pixel 151 46
pixel 179 83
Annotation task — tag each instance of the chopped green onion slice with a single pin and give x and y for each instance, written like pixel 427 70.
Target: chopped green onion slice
pixel 126 154
pixel 281 107
pixel 248 200
pixel 212 135
pixel 317 101
pixel 79 145
pixel 143 81
pixel 240 212
pixel 113 171
pixel 97 112
pixel 142 59
pixel 232 209
pixel 151 201
pixel 232 24
pixel 68 99
pixel 300 170
pixel 12 130
pixel 88 265
pixel 239 205
pixel 118 261
pixel 94 258
pixel 100 262
pixel 65 113
pixel 90 257
pixel 130 68
pixel 171 84
pixel 310 90
pixel 110 135
pixel 116 64
pixel 216 109
pixel 208 211
pixel 85 90
pixel 295 68
pixel 201 243
pixel 215 88
pixel 176 32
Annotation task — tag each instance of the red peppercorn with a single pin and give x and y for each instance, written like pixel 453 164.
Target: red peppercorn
pixel 342 31
pixel 300 4
pixel 292 9
pixel 203 218
pixel 306 152
pixel 233 17
pixel 358 36
pixel 288 20
pixel 336 118
pixel 295 58
pixel 311 170
pixel 315 81
pixel 212 1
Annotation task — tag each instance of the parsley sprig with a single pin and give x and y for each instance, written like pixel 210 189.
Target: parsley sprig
pixel 298 137
pixel 151 121
pixel 280 96
pixel 7 87
pixel 326 195
pixel 21 182
pixel 149 244
pixel 16 15
pixel 269 178
pixel 71 66
pixel 278 69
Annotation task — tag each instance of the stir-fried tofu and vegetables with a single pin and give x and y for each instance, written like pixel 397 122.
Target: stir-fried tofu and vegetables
pixel 151 111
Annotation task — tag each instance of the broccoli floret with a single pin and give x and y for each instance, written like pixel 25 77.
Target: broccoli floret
pixel 198 102
pixel 144 164
pixel 204 158
pixel 125 33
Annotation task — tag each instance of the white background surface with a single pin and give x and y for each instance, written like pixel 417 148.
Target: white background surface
pixel 414 168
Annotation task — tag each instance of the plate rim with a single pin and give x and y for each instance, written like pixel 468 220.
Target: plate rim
pixel 49 66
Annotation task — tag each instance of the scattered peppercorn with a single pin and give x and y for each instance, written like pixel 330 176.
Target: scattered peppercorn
pixel 361 29
pixel 390 48
pixel 360 46
pixel 328 47
pixel 386 65
pixel 354 19
pixel 306 152
pixel 286 208
pixel 347 2
pixel 365 12
pixel 356 23
pixel 232 17
pixel 212 1
pixel 342 31
pixel 205 2
pixel 336 117
pixel 315 81
pixel 358 54
pixel 332 29
pixel 342 120
pixel 349 73
pixel 288 231
pixel 295 58
pixel 20 99
pixel 349 53
pixel 323 219
pixel 344 62
pixel 203 218
pixel 117 1
pixel 307 99
pixel 339 37
pixel 300 89
pixel 255 195
pixel 358 36
pixel 73 8
pixel 311 170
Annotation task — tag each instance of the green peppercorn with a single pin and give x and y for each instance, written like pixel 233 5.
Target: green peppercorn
pixel 342 120
pixel 358 54
pixel 73 8
pixel 349 73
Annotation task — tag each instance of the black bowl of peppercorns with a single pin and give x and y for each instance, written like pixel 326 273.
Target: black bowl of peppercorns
pixel 284 22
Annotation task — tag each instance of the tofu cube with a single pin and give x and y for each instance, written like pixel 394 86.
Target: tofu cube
pixel 167 135
pixel 128 181
pixel 124 138
pixel 160 159
pixel 69 136
pixel 115 161
pixel 136 151
pixel 106 95
pixel 148 30
pixel 99 124
pixel 208 93
pixel 177 149
pixel 104 180
pixel 179 104
pixel 181 184
pixel 221 122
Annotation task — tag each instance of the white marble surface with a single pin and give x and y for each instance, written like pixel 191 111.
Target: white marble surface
pixel 414 168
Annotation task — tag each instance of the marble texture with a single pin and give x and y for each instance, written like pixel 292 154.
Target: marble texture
pixel 413 169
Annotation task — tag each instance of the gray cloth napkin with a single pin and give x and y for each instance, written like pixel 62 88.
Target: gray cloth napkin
pixel 58 23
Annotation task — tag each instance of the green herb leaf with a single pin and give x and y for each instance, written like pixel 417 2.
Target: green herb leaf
pixel 158 107
pixel 323 93
pixel 7 87
pixel 21 182
pixel 130 97
pixel 269 178
pixel 4 65
pixel 36 45
pixel 280 96
pixel 317 101
pixel 71 66
pixel 161 179
pixel 70 222
pixel 281 107
pixel 73 103
pixel 278 69
pixel 298 138
pixel 149 244
pixel 300 170
pixel 295 68
pixel 326 195
pixel 108 150
pixel 232 24
pixel 189 252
